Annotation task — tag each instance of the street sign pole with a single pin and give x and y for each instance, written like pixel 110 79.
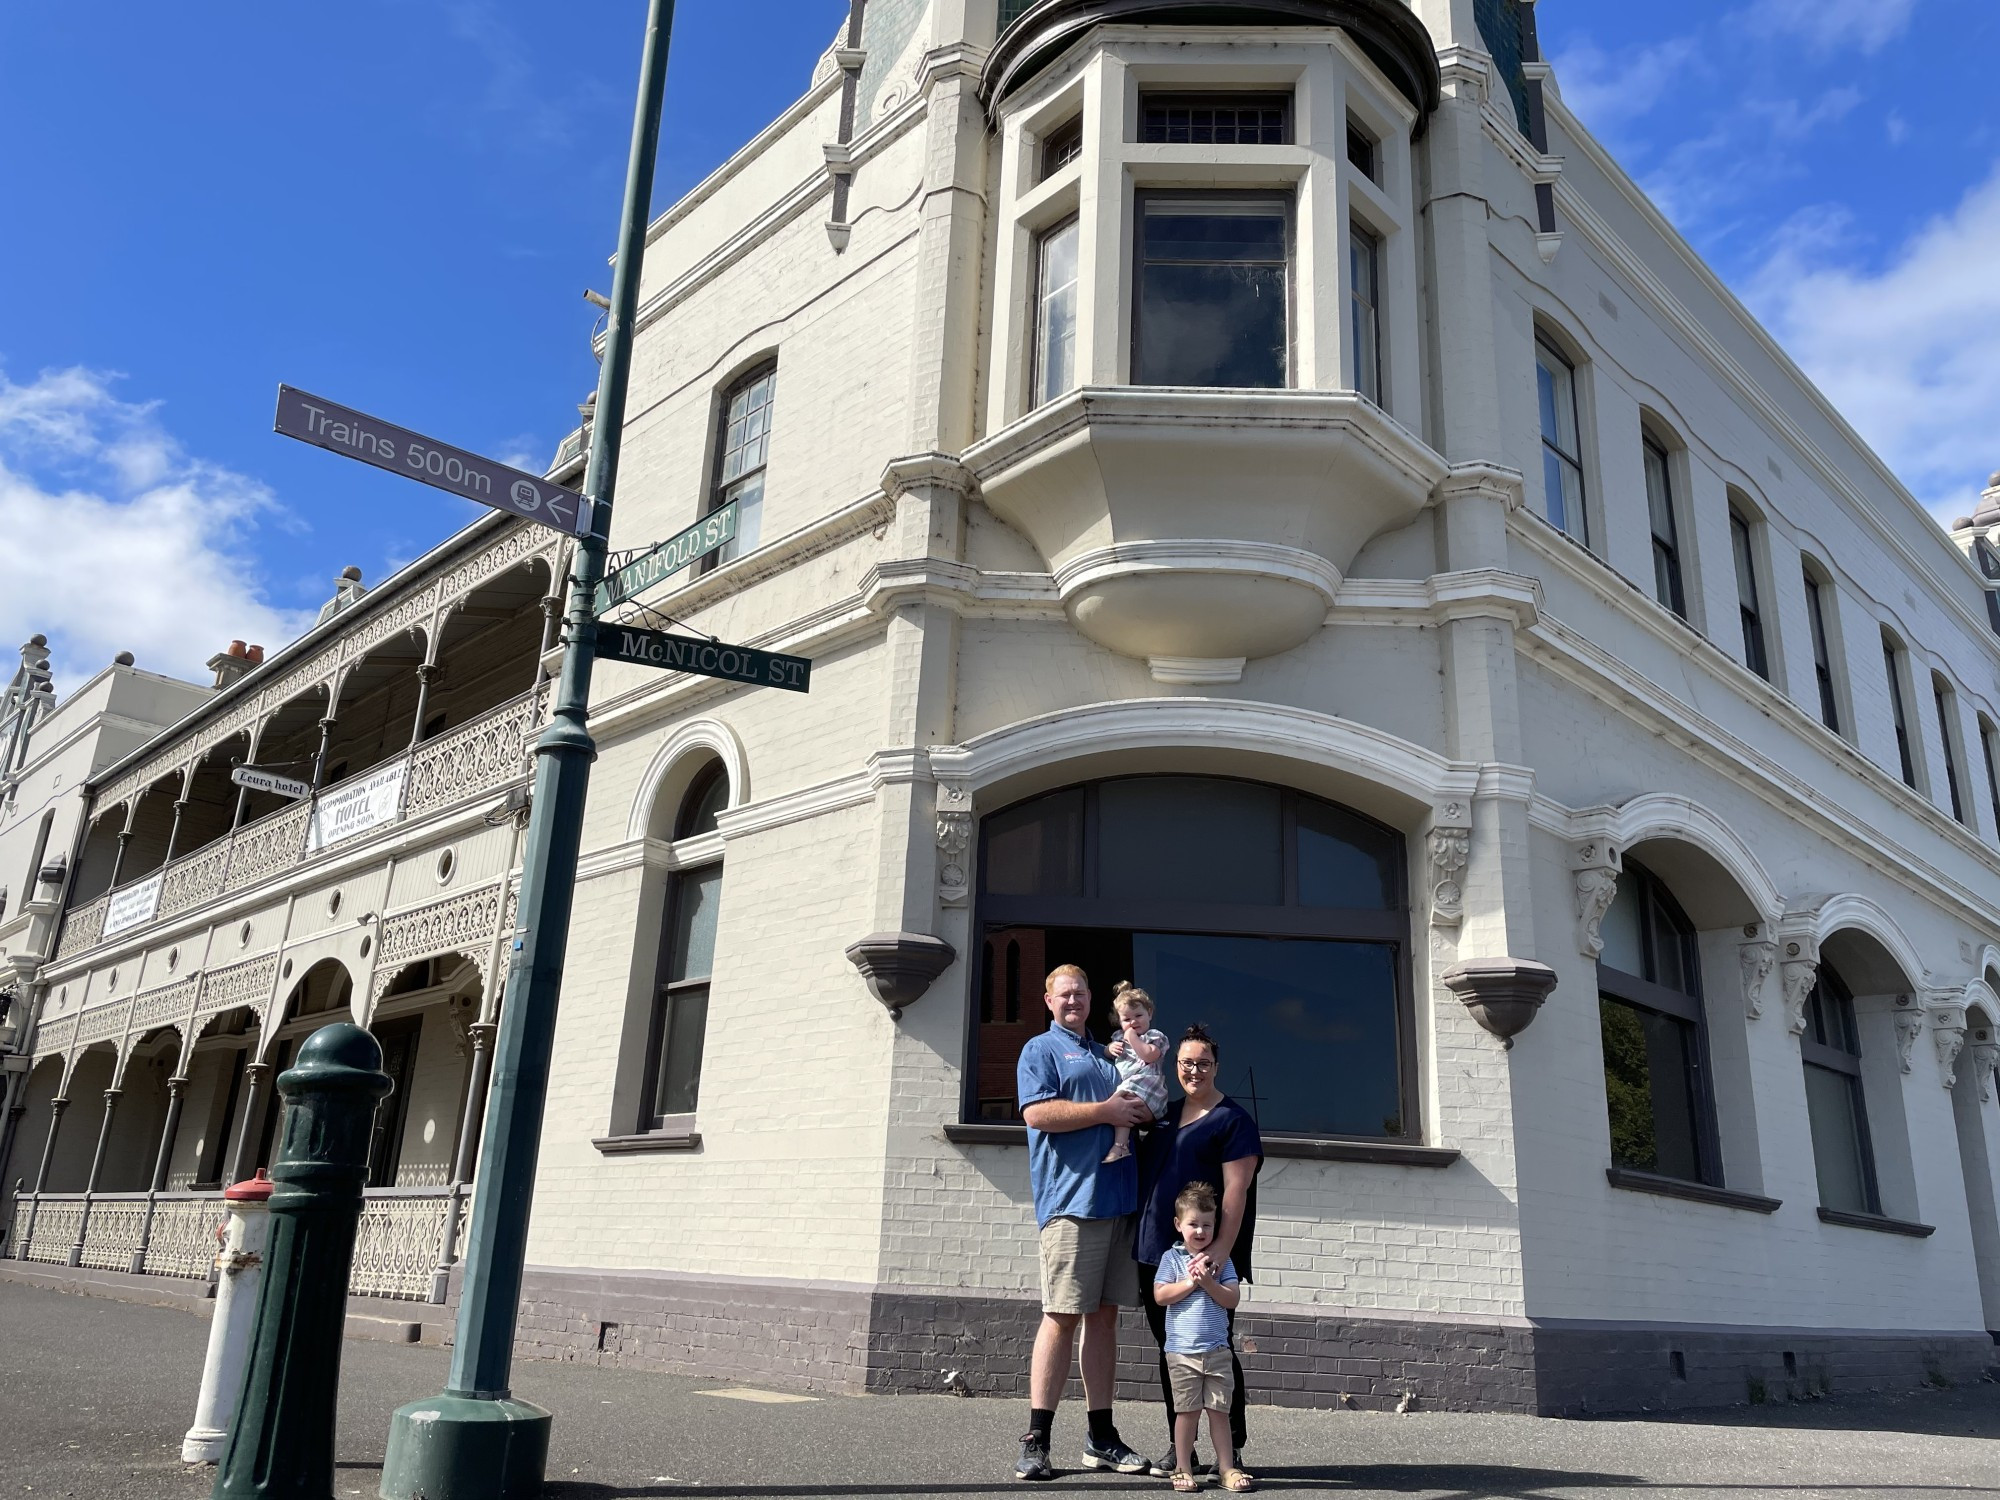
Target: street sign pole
pixel 475 1442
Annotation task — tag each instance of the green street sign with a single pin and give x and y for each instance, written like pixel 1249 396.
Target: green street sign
pixel 712 531
pixel 687 653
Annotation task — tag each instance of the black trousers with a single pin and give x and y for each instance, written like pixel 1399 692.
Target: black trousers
pixel 1156 1319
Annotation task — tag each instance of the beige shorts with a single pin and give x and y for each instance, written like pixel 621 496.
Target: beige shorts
pixel 1087 1263
pixel 1201 1380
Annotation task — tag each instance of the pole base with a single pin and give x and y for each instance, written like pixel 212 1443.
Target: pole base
pixel 463 1448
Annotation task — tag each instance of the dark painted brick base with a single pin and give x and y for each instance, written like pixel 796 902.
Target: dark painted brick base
pixel 851 1338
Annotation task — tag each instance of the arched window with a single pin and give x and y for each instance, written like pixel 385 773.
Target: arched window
pixel 742 449
pixel 687 954
pixel 1277 920
pixel 1562 447
pixel 1656 1070
pixel 1835 1106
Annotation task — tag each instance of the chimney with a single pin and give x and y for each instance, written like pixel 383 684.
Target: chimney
pixel 232 665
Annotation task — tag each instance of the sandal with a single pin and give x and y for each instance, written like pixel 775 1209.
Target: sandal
pixel 1185 1483
pixel 1237 1482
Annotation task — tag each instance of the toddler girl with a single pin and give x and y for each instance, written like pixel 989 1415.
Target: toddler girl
pixel 1138 1050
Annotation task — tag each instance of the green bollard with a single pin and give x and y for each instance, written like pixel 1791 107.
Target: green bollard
pixel 281 1440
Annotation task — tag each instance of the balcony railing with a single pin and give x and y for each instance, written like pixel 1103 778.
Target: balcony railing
pixel 404 1248
pixel 475 758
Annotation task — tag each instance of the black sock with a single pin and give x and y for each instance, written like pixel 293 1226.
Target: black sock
pixel 1040 1421
pixel 1101 1429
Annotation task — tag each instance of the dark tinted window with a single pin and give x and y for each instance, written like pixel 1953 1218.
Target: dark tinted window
pixel 1214 286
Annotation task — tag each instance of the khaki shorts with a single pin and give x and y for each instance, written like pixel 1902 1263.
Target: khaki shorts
pixel 1087 1263
pixel 1201 1380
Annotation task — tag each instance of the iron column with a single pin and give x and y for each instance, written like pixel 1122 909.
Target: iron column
pixel 475 1442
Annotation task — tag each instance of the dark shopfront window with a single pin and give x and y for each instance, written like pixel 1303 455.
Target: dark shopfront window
pixel 1655 1038
pixel 1276 919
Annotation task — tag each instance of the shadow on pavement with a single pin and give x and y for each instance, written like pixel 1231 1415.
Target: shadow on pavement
pixel 1458 1483
pixel 1970 1411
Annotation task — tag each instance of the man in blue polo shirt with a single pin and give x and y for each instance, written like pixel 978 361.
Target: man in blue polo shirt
pixel 1084 1205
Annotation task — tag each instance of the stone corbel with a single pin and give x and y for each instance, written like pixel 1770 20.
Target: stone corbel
pixel 954 840
pixel 1757 957
pixel 1450 845
pixel 1948 1031
pixel 1595 868
pixel 899 966
pixel 1985 1058
pixel 1909 1017
pixel 1801 971
pixel 1503 994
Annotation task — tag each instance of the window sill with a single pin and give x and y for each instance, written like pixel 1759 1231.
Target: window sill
pixel 1693 1192
pixel 1880 1223
pixel 1377 1153
pixel 684 1139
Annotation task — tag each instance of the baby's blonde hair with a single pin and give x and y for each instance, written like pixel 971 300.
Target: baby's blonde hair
pixel 1125 992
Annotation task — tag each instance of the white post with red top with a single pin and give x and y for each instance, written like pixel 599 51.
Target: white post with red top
pixel 240 1267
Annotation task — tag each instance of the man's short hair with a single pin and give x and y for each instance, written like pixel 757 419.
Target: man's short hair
pixel 1064 971
pixel 1196 1197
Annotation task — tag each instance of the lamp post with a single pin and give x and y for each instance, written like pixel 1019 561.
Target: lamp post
pixel 476 1440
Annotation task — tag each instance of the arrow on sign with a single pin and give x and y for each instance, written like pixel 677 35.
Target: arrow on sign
pixel 354 434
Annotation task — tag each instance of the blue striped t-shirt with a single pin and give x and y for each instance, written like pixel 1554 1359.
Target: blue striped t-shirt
pixel 1196 1323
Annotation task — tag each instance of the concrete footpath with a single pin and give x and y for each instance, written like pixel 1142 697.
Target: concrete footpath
pixel 95 1395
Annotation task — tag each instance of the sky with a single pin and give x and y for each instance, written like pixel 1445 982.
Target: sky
pixel 398 204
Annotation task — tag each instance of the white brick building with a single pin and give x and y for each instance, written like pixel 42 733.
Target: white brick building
pixel 1275 513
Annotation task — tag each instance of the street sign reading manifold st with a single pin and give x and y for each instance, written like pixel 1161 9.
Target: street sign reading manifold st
pixel 711 532
pixel 265 781
pixel 686 653
pixel 341 429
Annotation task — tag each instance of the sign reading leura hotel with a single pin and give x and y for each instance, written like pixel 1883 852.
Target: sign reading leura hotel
pixel 135 905
pixel 686 653
pixel 361 805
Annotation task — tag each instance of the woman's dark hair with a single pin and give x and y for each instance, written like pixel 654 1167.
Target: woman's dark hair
pixel 1199 1033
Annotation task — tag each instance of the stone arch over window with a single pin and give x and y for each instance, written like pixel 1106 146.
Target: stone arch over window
pixel 680 758
pixel 1289 938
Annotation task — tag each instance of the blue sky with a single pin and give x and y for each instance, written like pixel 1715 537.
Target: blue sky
pixel 398 203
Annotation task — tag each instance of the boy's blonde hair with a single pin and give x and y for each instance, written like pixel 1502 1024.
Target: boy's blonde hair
pixel 1128 993
pixel 1196 1197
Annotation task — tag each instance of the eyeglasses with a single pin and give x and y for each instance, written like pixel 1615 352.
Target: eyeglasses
pixel 1197 1065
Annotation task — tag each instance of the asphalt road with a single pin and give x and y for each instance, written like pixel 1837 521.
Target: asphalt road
pixel 95 1395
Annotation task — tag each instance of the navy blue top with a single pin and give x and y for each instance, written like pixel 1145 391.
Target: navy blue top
pixel 1067 1168
pixel 1172 1158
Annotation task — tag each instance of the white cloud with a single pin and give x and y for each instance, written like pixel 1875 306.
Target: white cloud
pixel 1606 92
pixel 115 539
pixel 1828 24
pixel 1909 352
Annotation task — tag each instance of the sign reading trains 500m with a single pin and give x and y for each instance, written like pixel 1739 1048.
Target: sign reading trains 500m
pixel 341 429
pixel 686 653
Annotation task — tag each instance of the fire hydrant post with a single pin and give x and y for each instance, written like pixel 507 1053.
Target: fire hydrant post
pixel 281 1436
pixel 239 1273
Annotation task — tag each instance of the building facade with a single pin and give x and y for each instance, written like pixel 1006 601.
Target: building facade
pixel 1277 515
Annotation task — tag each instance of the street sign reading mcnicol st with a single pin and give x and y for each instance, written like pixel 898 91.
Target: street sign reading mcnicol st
pixel 686 653
pixel 341 429
pixel 669 557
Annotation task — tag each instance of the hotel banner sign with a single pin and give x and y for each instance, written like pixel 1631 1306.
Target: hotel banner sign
pixel 369 803
pixel 135 905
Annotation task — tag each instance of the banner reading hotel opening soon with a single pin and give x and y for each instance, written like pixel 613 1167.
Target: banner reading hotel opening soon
pixel 368 803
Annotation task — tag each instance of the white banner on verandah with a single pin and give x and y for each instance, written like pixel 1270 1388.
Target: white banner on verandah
pixel 134 905
pixel 368 803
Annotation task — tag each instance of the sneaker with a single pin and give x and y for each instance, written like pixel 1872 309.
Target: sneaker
pixel 1115 1456
pixel 1034 1462
pixel 1163 1466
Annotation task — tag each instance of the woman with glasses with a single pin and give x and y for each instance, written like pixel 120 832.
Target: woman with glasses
pixel 1204 1137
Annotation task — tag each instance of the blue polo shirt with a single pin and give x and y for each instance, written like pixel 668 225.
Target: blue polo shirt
pixel 1071 1179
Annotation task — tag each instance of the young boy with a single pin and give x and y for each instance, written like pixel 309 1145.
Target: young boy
pixel 1199 1296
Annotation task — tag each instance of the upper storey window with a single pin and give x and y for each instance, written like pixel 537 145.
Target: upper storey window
pixel 1062 146
pixel 1216 119
pixel 1055 313
pixel 1747 604
pixel 1829 706
pixel 743 448
pixel 1361 149
pixel 1666 534
pixel 1562 453
pixel 1213 283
